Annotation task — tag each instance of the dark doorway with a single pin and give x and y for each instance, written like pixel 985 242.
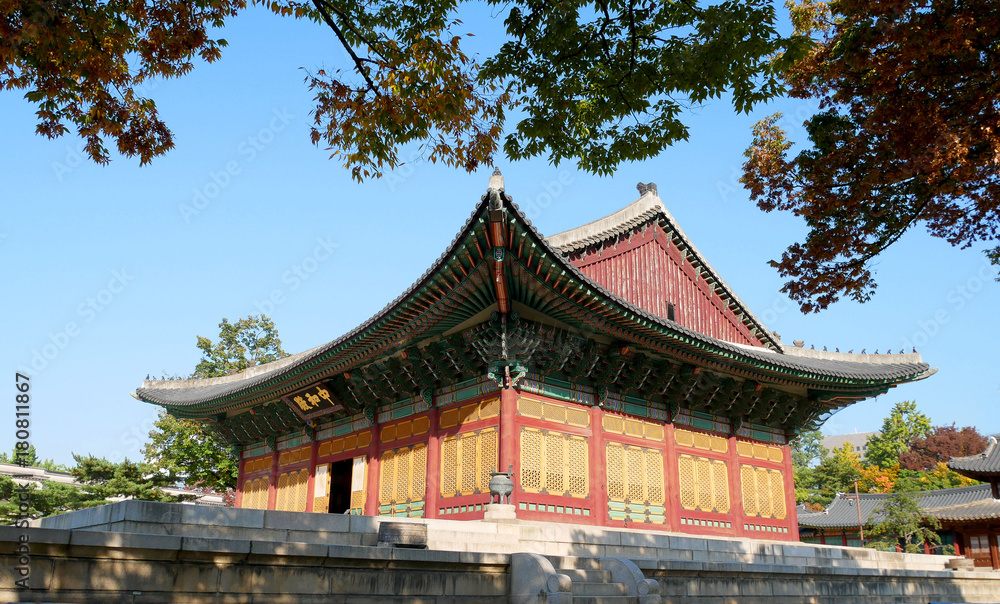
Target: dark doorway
pixel 340 486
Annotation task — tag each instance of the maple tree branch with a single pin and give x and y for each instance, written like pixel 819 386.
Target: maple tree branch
pixel 359 65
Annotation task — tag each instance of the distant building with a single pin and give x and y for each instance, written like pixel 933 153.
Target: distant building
pixel 968 515
pixel 25 474
pixel 858 440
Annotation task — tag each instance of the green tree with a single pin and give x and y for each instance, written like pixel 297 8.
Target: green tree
pixel 904 524
pixel 597 82
pixel 44 500
pixel 835 474
pixel 30 458
pixel 245 343
pixel 188 450
pixel 907 133
pixel 903 425
pixel 806 452
pixel 103 479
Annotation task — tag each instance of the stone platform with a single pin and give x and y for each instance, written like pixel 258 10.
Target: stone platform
pixel 145 551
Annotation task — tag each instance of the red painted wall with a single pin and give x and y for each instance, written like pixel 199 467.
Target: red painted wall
pixel 649 271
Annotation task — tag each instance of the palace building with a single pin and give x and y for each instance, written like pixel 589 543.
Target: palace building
pixel 609 366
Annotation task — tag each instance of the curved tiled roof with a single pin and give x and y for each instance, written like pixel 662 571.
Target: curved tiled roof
pixel 842 513
pixel 985 464
pixel 822 367
pixel 984 509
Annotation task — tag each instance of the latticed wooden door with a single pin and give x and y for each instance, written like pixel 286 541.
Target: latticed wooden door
pixel 359 482
pixel 321 488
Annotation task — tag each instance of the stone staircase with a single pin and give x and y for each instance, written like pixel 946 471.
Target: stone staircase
pixel 591 585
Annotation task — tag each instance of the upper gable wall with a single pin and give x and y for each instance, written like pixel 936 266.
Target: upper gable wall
pixel 643 267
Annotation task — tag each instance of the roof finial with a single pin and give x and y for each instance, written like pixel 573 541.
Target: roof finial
pixel 496 181
pixel 647 187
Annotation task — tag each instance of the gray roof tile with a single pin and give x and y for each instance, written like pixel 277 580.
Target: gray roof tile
pixel 842 513
pixel 985 464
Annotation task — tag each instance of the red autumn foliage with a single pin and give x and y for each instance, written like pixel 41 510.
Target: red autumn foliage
pixel 943 443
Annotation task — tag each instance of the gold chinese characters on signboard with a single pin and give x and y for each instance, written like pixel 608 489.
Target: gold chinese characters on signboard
pixel 314 401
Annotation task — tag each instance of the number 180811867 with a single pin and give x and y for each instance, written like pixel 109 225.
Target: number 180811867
pixel 22 418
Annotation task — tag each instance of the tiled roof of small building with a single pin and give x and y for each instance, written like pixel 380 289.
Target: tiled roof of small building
pixel 983 509
pixel 983 465
pixel 842 513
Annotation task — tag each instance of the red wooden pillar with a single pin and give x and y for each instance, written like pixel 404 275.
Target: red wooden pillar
pixel 673 495
pixel 311 486
pixel 240 479
pixel 433 466
pixel 992 535
pixel 735 489
pixel 272 488
pixel 598 467
pixel 371 487
pixel 788 473
pixel 508 438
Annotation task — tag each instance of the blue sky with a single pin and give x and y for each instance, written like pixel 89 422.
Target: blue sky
pixel 111 272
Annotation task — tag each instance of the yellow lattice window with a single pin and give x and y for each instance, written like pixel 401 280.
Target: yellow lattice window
pixel 345 443
pixel 387 476
pixel 744 449
pixel 704 484
pixel 552 412
pixel 403 475
pixel 455 416
pixel 255 494
pixel 294 456
pixel 613 423
pixel 531 460
pixel 449 466
pixel 488 451
pixel 577 417
pixel 292 491
pixel 257 465
pixel 616 477
pixel 748 480
pixel 468 465
pixel 777 495
pixel 635 474
pixel 720 487
pixel 467 461
pixel 553 463
pixel 759 451
pixel 632 427
pixel 576 470
pixel 686 482
pixel 700 440
pixel 763 492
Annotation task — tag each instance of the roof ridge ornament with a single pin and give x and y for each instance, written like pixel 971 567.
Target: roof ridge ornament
pixel 649 187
